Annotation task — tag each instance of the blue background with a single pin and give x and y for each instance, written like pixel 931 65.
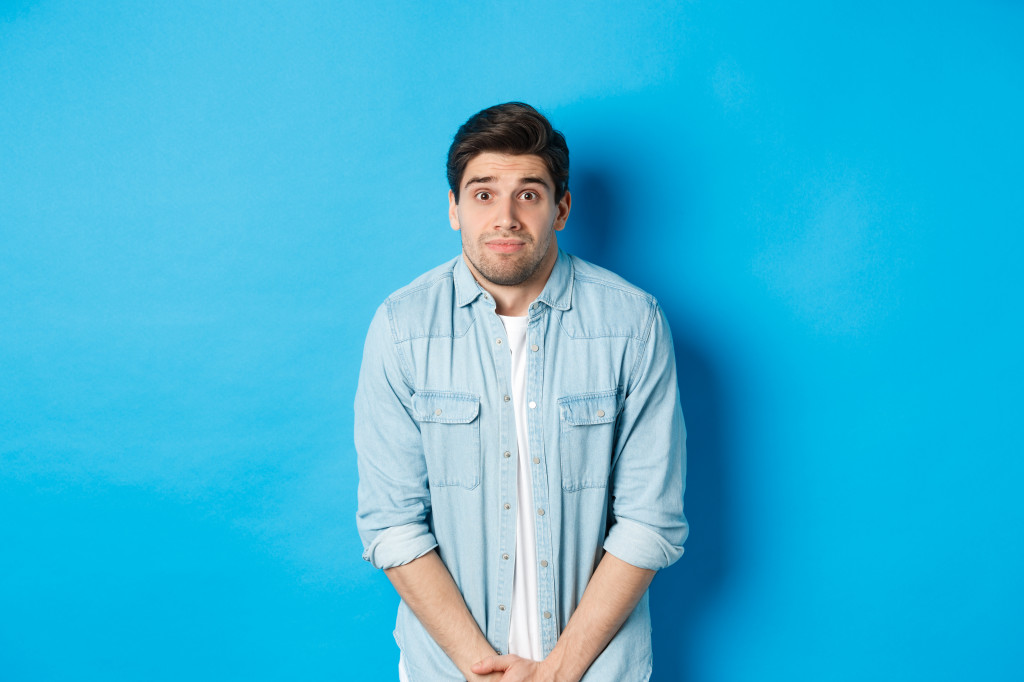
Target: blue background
pixel 201 205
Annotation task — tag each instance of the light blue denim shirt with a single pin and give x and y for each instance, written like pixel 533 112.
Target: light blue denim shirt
pixel 435 435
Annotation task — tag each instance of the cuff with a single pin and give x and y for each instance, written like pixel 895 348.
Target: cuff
pixel 640 546
pixel 399 545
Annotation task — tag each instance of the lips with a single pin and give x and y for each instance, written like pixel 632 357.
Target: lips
pixel 505 245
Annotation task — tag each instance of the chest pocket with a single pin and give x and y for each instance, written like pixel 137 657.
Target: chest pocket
pixel 587 438
pixel 450 430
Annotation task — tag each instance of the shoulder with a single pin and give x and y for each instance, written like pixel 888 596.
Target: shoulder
pixel 594 278
pixel 424 306
pixel 426 285
pixel 605 304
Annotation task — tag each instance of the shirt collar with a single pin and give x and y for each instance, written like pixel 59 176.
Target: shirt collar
pixel 557 291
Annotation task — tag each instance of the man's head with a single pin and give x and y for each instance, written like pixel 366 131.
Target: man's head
pixel 512 128
pixel 509 171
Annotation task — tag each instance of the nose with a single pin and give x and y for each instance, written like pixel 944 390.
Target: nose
pixel 508 216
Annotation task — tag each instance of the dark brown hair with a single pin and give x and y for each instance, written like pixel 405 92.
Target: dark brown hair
pixel 510 128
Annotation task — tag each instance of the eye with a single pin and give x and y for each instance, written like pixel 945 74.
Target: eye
pixel 529 195
pixel 483 196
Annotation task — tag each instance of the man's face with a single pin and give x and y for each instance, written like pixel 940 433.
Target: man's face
pixel 508 217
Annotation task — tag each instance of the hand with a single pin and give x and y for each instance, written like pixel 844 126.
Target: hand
pixel 513 668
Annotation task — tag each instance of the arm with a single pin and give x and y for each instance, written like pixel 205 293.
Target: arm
pixel 394 502
pixel 426 586
pixel 611 595
pixel 649 467
pixel 394 498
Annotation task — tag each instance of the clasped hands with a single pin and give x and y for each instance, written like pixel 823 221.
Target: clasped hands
pixel 512 668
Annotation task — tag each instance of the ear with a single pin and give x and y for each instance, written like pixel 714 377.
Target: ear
pixel 453 211
pixel 562 211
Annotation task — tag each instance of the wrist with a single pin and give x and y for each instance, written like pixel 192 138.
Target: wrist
pixel 466 661
pixel 553 669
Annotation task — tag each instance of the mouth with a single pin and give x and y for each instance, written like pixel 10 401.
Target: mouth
pixel 505 245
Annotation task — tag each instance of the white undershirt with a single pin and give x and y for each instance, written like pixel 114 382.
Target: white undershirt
pixel 524 630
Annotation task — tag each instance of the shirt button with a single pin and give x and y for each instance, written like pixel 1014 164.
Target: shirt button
pixel 540 512
pixel 532 404
pixel 547 614
pixel 501 607
pixel 438 412
pixel 505 557
pixel 544 563
pixel 507 454
pixel 536 460
pixel 508 506
pixel 507 399
pixel 535 348
pixel 600 413
pixel 498 341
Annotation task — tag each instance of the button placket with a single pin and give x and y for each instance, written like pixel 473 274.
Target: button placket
pixel 541 499
pixel 501 359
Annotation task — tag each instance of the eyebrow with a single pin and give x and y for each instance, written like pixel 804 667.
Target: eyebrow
pixel 535 181
pixel 530 180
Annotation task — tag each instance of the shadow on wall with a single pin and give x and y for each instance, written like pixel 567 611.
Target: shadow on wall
pixel 682 594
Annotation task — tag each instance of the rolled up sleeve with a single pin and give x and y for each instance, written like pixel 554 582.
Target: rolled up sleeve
pixel 649 467
pixel 393 497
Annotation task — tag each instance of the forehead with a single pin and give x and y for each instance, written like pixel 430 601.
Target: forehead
pixel 505 167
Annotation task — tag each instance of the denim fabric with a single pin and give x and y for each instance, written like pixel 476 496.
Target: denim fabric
pixel 436 441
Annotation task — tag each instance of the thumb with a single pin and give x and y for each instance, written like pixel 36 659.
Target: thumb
pixel 491 664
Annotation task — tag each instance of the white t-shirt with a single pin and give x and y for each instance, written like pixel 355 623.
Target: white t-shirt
pixel 524 630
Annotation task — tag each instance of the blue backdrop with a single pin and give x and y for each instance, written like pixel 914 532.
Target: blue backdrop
pixel 201 205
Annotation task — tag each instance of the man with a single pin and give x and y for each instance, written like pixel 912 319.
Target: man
pixel 519 435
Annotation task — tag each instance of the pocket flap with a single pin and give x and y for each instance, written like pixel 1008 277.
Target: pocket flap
pixel 445 407
pixel 589 408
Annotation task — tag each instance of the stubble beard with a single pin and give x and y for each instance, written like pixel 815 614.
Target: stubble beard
pixel 507 271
